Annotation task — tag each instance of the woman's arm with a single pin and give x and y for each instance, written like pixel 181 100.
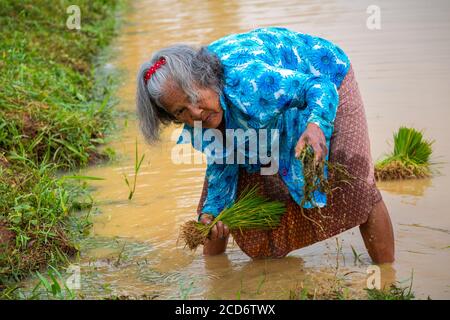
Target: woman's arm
pixel 217 243
pixel 322 97
pixel 222 187
pixel 262 92
pixel 221 178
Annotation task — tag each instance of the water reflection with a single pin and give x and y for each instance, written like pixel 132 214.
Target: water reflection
pixel 413 187
pixel 254 279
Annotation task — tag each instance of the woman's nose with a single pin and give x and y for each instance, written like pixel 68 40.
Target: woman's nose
pixel 196 112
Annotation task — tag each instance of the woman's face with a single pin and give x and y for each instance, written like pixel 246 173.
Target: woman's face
pixel 206 109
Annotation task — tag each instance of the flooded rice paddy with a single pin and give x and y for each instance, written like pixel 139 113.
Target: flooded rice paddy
pixel 403 71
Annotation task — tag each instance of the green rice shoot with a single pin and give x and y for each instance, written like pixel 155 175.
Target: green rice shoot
pixel 250 211
pixel 410 158
pixel 315 180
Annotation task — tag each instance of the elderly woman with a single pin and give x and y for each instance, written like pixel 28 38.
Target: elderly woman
pixel 271 79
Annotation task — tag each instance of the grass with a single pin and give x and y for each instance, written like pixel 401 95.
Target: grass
pixel 51 285
pixel 51 106
pixel 394 292
pixel 36 207
pixel 54 285
pixel 337 289
pixel 55 112
pixel 410 158
pixel 326 287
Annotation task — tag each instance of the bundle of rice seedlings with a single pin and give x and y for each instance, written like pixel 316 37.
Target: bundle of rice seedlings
pixel 410 158
pixel 315 180
pixel 314 175
pixel 250 211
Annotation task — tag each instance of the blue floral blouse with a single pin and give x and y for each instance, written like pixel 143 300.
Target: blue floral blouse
pixel 274 78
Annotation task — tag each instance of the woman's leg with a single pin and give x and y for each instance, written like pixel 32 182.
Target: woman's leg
pixel 350 146
pixel 378 234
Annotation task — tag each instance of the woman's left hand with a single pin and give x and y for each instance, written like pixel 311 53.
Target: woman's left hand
pixel 313 136
pixel 219 231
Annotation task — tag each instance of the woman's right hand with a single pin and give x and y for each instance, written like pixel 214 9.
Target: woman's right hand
pixel 219 231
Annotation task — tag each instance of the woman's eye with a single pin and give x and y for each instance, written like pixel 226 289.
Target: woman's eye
pixel 180 112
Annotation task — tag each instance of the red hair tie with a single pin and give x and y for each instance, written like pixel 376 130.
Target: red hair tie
pixel 153 68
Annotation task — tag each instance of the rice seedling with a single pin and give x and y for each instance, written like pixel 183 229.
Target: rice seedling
pixel 240 291
pixel 356 256
pixel 137 167
pixel 250 211
pixel 315 180
pixel 410 158
pixel 314 175
pixel 185 290
pixel 261 282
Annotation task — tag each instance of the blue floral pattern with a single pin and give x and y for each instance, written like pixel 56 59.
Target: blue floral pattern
pixel 323 60
pixel 280 79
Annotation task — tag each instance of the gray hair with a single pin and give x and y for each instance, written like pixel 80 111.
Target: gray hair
pixel 187 67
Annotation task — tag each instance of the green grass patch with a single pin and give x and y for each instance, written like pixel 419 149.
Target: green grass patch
pixel 394 292
pixel 54 113
pixel 37 222
pixel 51 105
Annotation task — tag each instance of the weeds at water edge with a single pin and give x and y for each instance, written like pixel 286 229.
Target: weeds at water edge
pixel 137 167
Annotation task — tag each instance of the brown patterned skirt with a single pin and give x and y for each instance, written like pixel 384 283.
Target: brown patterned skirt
pixel 348 206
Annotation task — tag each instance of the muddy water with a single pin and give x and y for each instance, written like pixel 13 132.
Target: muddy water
pixel 403 70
